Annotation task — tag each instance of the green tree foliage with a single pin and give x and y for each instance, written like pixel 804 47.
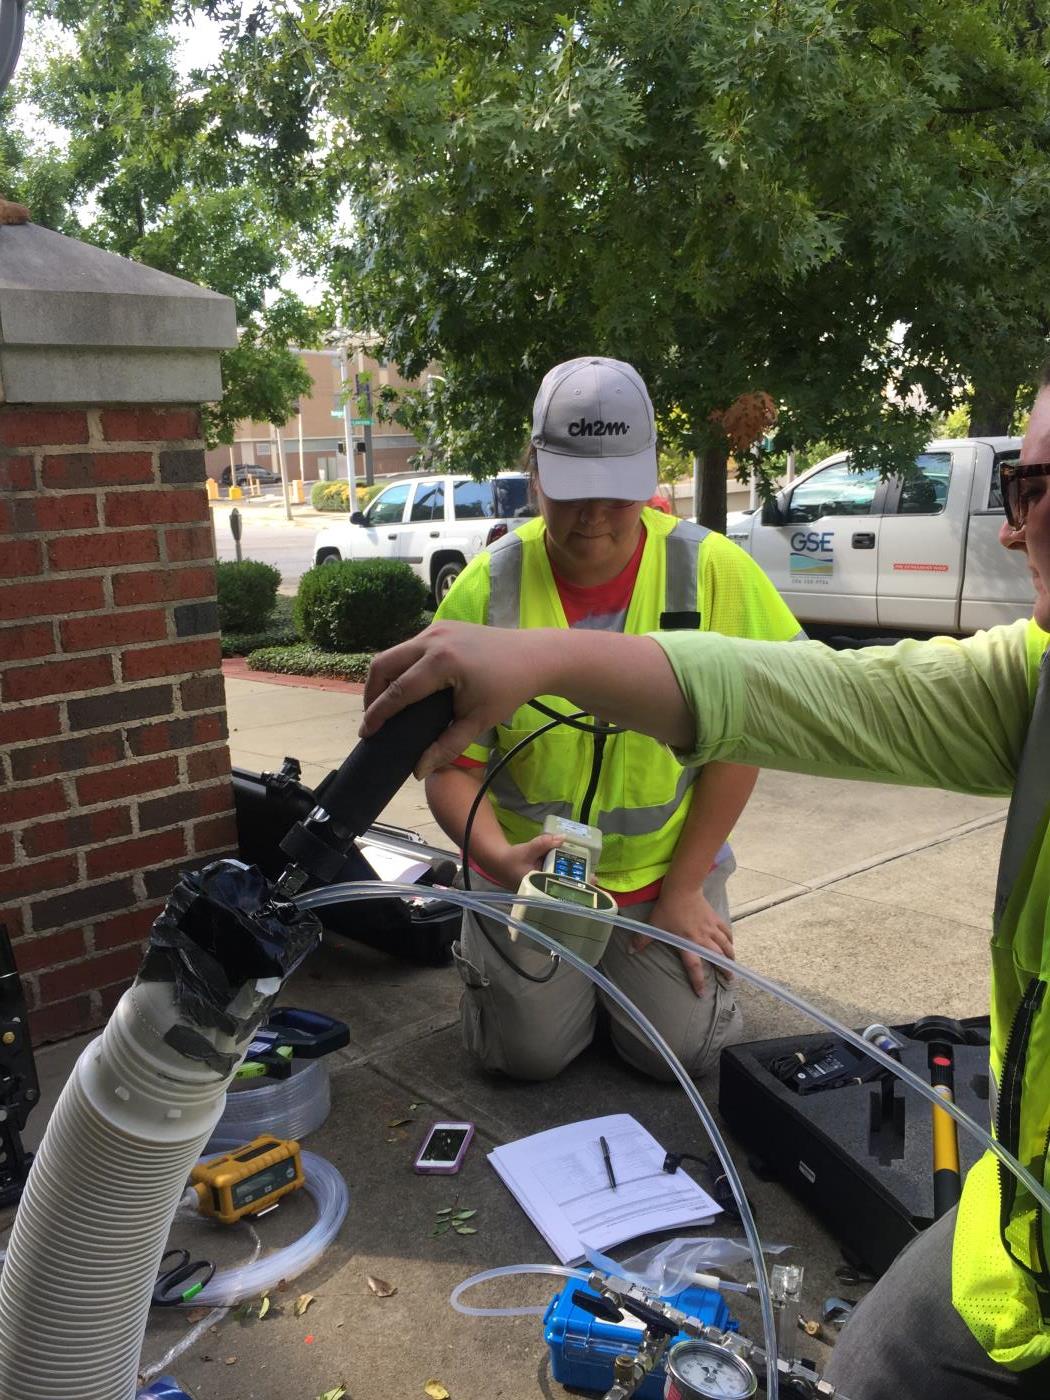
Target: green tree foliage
pixel 148 170
pixel 819 199
pixel 815 198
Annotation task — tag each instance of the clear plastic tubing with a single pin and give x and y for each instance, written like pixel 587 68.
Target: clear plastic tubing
pixel 497 901
pixel 507 1271
pixel 332 1198
pixel 289 1108
pixel 363 890
pixel 331 1195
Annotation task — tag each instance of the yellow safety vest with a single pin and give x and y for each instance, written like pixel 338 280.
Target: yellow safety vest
pixel 1001 1250
pixel 629 786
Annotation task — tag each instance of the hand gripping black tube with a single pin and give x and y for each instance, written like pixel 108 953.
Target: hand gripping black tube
pixel 351 798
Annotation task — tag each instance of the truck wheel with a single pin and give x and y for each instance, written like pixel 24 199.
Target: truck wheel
pixel 446 577
pixel 330 556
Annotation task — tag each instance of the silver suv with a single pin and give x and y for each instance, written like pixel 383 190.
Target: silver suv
pixel 434 523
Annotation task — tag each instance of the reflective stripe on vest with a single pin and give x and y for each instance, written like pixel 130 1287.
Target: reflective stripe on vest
pixel 505 558
pixel 681 555
pixel 621 821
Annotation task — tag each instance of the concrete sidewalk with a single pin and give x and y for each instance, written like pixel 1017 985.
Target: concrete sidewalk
pixel 871 901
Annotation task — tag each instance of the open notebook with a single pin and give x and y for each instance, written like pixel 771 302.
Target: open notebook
pixel 559 1179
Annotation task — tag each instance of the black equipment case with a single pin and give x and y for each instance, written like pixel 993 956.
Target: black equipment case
pixel 867 1176
pixel 269 804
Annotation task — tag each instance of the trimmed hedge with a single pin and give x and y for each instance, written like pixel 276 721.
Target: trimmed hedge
pixel 359 605
pixel 306 660
pixel 247 593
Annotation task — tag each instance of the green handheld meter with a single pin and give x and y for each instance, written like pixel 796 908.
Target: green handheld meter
pixel 565 882
pixel 580 850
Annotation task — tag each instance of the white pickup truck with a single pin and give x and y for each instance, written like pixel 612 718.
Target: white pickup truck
pixel 849 551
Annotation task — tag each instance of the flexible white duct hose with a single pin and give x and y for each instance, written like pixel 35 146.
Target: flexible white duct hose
pixel 94 1219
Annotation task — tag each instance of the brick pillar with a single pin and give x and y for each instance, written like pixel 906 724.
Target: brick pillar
pixel 114 768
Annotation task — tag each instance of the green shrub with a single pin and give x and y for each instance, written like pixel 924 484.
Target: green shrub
pixel 365 493
pixel 330 495
pixel 359 604
pixel 279 632
pixel 247 594
pixel 306 660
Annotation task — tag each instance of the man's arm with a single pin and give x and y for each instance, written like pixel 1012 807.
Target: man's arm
pixel 492 671
pixel 935 714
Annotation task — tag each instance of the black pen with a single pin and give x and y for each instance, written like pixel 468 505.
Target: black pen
pixel 608 1162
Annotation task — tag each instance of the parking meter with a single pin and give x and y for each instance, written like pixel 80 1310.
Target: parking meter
pixel 235 531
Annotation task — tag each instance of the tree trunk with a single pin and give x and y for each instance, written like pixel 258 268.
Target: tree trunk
pixel 992 410
pixel 712 511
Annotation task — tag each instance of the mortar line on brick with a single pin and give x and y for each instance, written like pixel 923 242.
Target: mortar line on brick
pixel 94 426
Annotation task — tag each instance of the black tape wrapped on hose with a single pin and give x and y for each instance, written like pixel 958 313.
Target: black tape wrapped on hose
pixel 221 933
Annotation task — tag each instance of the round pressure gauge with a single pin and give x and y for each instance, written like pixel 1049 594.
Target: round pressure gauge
pixel 705 1371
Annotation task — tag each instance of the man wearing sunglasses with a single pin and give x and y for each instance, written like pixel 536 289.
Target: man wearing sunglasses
pixel 964 1312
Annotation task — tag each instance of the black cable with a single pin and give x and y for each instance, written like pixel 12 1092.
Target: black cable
pixel 573 721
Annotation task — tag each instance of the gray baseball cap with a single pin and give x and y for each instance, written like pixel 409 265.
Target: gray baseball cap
pixel 594 432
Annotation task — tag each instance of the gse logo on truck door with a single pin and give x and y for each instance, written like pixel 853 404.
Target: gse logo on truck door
pixel 812 558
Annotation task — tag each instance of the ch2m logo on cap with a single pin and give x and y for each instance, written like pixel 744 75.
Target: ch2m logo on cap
pixel 812 555
pixel 597 427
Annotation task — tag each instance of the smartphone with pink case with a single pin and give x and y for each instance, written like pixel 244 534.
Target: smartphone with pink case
pixel 444 1148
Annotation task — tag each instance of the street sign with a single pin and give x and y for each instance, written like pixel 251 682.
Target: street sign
pixel 361 422
pixel 337 413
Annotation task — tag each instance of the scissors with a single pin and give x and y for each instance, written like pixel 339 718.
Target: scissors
pixel 172 1286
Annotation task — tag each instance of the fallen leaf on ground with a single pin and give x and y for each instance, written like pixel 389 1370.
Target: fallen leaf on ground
pixel 196 1314
pixel 398 1122
pixel 302 1303
pixel 264 1306
pixel 229 1361
pixel 436 1391
pixel 464 1214
pixel 380 1287
pixel 465 1230
pixel 336 1393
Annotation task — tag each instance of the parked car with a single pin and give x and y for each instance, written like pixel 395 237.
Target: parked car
pixel 914 554
pixel 434 523
pixel 247 472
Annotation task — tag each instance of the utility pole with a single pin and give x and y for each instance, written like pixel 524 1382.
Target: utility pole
pixel 363 388
pixel 282 468
pixel 348 446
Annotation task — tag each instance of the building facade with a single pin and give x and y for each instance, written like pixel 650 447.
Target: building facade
pixel 314 443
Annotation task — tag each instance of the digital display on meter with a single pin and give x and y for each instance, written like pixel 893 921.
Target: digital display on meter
pixel 575 894
pixel 262 1183
pixel 571 867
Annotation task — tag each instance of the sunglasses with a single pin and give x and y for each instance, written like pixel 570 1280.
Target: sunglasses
pixel 1016 500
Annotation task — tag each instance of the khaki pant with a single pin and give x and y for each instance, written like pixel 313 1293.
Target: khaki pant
pixel 533 1031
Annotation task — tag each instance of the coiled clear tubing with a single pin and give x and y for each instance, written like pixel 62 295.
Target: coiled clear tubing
pixel 289 1108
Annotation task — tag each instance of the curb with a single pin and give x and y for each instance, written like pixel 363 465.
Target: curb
pixel 235 668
